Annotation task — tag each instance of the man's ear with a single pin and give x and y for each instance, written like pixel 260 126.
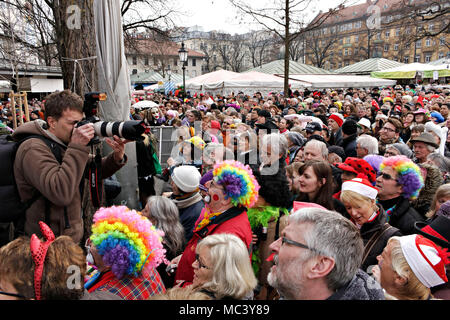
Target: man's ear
pixel 321 267
pixel 51 122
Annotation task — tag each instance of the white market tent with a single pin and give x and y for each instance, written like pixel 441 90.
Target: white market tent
pixel 409 71
pixel 225 82
pixel 337 81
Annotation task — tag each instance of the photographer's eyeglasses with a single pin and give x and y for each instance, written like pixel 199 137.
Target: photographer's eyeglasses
pixel 387 129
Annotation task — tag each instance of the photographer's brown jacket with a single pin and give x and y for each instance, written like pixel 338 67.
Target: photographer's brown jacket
pixel 36 168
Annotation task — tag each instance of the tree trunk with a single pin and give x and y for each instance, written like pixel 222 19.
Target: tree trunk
pixel 287 40
pixel 74 28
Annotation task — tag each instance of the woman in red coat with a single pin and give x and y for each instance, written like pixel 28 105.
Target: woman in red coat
pixel 232 190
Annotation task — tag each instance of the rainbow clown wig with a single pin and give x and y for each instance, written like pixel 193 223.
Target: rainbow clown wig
pixel 127 241
pixel 409 175
pixel 238 181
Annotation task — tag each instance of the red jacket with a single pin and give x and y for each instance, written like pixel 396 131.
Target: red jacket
pixel 238 225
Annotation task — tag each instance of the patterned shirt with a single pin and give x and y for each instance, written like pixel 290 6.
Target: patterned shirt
pixel 131 288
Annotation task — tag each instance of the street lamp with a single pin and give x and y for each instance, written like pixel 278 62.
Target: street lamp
pixel 183 58
pixel 169 72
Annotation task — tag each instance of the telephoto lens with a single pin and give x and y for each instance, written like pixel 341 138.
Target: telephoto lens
pixel 130 130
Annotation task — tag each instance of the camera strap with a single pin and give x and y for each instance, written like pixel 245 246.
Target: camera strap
pixel 95 179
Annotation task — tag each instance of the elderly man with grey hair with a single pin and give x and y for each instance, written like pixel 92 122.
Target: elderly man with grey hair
pixel 318 256
pixel 272 153
pixel 366 145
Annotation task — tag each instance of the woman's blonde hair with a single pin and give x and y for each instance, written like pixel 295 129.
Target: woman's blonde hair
pixel 354 199
pixel 413 288
pixel 442 191
pixel 179 293
pixel 232 271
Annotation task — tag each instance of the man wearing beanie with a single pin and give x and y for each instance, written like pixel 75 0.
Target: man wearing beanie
pixel 185 182
pixel 231 192
pixel 335 122
pixel 349 134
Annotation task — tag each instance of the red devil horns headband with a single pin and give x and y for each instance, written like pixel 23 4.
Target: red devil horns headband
pixel 38 253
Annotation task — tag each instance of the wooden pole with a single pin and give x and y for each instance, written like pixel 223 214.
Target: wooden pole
pixel 20 108
pixel 25 103
pixel 13 109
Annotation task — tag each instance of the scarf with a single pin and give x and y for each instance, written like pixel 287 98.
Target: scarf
pixel 187 200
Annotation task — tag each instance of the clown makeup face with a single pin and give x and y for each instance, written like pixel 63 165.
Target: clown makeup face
pixel 155 113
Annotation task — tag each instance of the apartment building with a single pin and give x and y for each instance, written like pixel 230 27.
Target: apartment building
pixel 147 55
pixel 381 29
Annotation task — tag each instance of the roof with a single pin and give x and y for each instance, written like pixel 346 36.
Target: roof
pixel 154 77
pixel 277 67
pixel 167 48
pixel 369 65
pixel 440 61
pixel 29 68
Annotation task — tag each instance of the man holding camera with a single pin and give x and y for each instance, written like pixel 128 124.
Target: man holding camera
pixel 55 185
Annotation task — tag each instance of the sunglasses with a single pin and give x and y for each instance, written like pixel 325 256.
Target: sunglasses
pixel 297 244
pixel 200 264
pixel 385 176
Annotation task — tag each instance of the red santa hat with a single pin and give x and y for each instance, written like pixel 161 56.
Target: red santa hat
pixel 425 259
pixel 338 118
pixel 375 104
pixel 360 186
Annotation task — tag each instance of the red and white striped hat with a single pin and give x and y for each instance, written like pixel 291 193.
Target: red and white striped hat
pixel 360 186
pixel 425 258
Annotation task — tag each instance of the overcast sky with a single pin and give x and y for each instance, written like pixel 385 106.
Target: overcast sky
pixel 220 15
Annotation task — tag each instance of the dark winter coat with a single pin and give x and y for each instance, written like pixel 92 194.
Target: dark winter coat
pixel 349 145
pixel 361 287
pixel 404 216
pixel 374 228
pixel 189 210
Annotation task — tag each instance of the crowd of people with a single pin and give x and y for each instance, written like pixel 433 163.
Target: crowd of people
pixel 333 194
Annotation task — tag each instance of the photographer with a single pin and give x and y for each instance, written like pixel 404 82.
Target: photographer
pixel 56 182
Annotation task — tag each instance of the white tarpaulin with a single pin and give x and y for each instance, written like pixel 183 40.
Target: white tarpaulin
pixel 197 83
pixel 5 86
pixel 318 81
pixel 248 83
pixel 114 79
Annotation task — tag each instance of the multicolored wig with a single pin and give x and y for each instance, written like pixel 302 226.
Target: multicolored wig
pixel 409 174
pixel 127 241
pixel 238 181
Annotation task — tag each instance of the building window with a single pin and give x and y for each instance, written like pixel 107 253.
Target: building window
pixel 356 38
pixel 427 57
pixel 356 51
pixel 430 27
pixel 406 60
pixel 417 58
pixel 194 62
pixel 428 42
pixel 441 55
pixel 397 32
pixel 386 48
pixel 346 52
pixel 146 61
pixel 134 60
pixel 155 61
pixel 378 36
pixel 357 24
pixel 387 34
pixel 396 47
pixel 442 41
pixel 418 43
pixel 175 62
pixel 194 73
pixel 134 71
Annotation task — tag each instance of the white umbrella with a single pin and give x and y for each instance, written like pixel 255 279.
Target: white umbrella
pixel 114 79
pixel 146 104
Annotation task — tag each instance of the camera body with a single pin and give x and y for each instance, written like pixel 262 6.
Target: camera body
pixel 130 130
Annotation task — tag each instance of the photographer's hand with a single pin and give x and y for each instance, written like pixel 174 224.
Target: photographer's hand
pixel 82 135
pixel 118 146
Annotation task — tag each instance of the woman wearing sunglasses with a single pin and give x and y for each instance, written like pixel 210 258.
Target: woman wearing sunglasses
pixel 359 198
